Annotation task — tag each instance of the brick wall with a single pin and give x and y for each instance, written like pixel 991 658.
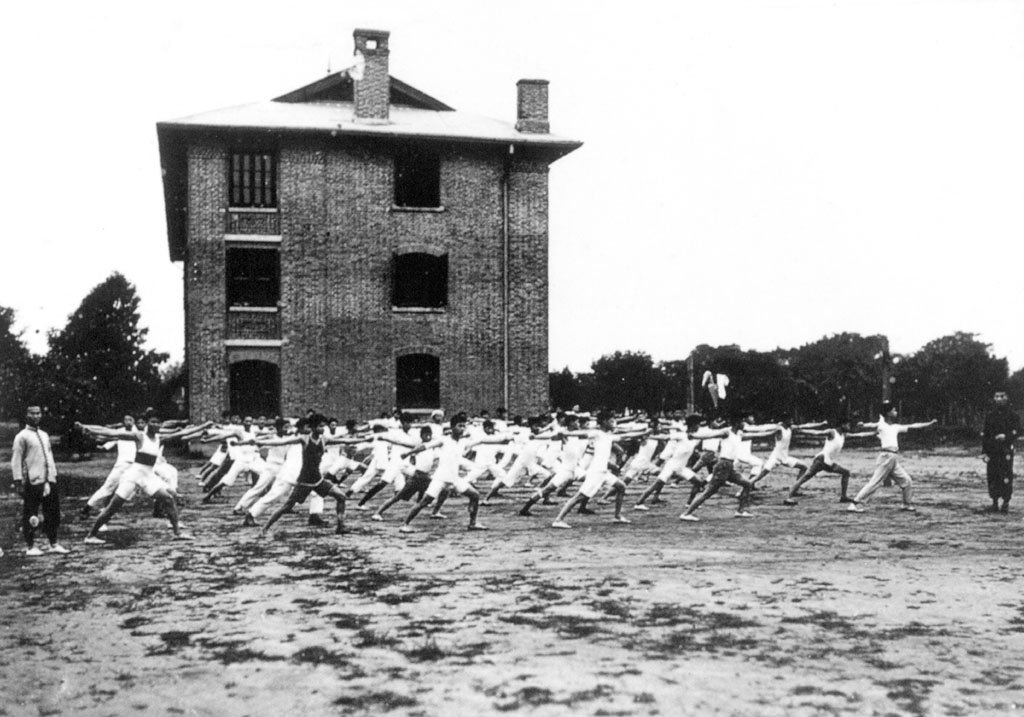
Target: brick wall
pixel 204 282
pixel 253 325
pixel 340 335
pixel 528 298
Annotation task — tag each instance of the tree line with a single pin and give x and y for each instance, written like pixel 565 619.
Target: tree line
pixel 97 366
pixel 844 375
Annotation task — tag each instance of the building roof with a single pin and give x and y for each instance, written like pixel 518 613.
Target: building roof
pixel 326 108
pixel 336 118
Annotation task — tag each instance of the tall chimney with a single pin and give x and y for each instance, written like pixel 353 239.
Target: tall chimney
pixel 373 89
pixel 532 107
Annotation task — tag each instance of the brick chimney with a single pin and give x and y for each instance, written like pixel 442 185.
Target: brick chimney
pixel 373 89
pixel 532 107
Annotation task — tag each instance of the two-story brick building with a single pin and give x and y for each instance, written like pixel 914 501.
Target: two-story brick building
pixel 356 244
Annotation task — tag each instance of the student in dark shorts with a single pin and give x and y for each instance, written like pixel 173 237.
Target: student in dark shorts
pixel 310 480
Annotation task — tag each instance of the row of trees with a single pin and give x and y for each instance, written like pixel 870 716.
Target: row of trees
pixel 840 376
pixel 95 368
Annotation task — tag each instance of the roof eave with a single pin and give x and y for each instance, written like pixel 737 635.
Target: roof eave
pixel 535 141
pixel 174 167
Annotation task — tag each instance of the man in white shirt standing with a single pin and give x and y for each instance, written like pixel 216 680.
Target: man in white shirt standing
pixel 35 477
pixel 887 465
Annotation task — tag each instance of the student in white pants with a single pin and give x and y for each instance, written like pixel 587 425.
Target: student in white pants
pixel 598 474
pixel 125 457
pixel 888 464
pixel 272 466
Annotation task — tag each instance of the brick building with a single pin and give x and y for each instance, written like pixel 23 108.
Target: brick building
pixel 356 244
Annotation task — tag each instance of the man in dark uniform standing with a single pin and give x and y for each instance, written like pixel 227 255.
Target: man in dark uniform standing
pixel 1002 427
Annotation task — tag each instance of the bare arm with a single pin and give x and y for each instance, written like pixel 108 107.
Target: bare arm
pixel 626 436
pixel 220 434
pixel 862 434
pixel 188 433
pixel 754 435
pixel 407 443
pixel 703 433
pixel 108 433
pixel 282 441
pixel 436 443
pixel 346 440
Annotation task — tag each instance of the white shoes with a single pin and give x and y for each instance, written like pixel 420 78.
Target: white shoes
pixel 34 552
pixel 561 524
pixel 640 506
pixel 855 508
pixel 93 540
pixel 742 514
pixel 689 518
pixel 59 549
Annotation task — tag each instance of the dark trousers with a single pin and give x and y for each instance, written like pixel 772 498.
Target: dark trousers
pixel 723 473
pixel 1000 477
pixel 34 500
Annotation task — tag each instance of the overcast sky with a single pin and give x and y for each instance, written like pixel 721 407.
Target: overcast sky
pixel 760 173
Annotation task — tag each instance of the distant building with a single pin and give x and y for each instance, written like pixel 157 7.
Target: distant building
pixel 357 244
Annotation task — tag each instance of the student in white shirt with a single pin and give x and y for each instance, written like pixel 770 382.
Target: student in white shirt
pixel 125 457
pixel 725 471
pixel 780 453
pixel 451 452
pixel 887 465
pixel 598 474
pixel 825 461
pixel 141 474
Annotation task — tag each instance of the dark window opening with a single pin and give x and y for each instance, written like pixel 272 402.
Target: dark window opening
pixel 420 281
pixel 255 388
pixel 253 181
pixel 253 277
pixel 418 382
pixel 417 178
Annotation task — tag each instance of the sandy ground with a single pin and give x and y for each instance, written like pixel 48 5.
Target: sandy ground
pixel 806 610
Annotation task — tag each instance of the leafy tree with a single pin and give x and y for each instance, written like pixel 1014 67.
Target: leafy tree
pixel 838 376
pixel 675 381
pixel 1015 388
pixel 628 380
pixel 758 382
pixel 97 365
pixel 564 388
pixel 171 395
pixel 18 368
pixel 951 378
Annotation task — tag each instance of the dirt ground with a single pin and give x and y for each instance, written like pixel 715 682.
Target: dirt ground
pixel 806 610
